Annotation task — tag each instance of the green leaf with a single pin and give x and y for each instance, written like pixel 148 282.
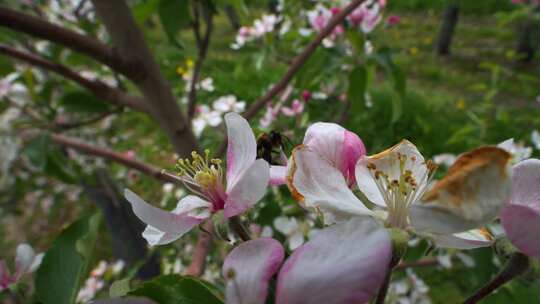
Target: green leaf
pixel 384 58
pixel 174 16
pixel 37 150
pixel 66 263
pixel 312 69
pixel 357 88
pixel 58 166
pixel 119 288
pixel 81 101
pixel 144 10
pixel 356 40
pixel 176 289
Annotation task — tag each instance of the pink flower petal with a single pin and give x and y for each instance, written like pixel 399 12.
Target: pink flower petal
pixel 522 226
pixel 248 269
pixel 345 263
pixel 337 145
pixel 526 182
pixel 278 175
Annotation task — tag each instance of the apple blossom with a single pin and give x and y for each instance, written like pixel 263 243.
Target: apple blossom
pixel 397 181
pixel 319 17
pixel 366 16
pixel 229 103
pixel 521 217
pixel 26 261
pixel 332 268
pixel 246 182
pixel 297 108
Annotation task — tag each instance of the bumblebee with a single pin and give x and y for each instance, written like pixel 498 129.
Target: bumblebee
pixel 270 147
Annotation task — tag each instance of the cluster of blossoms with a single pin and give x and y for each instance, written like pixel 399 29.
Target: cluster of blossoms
pixel 296 108
pixel 26 261
pixel 206 116
pixel 98 276
pixel 266 24
pixel 365 18
pixel 325 175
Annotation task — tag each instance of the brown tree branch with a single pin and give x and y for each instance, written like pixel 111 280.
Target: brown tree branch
pixel 96 87
pixel 45 30
pixel 300 59
pixel 203 50
pixel 108 154
pixel 64 126
pixel 130 44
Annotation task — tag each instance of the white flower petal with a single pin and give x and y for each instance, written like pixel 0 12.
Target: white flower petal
pixel 178 222
pixel 317 184
pixel 241 148
pixel 471 239
pixel 249 189
pixel 388 163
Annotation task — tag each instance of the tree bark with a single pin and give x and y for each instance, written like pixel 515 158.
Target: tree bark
pixel 232 16
pixel 446 33
pixel 96 87
pixel 45 30
pixel 125 230
pixel 129 43
pixel 526 45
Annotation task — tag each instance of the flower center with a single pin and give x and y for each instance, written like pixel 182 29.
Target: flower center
pixel 401 191
pixel 204 177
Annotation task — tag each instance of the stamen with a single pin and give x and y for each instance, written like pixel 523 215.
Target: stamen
pixel 202 175
pixel 404 190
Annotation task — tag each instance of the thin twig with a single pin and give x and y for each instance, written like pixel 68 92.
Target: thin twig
pixel 74 125
pixel 419 263
pixel 108 154
pixel 516 266
pixel 201 56
pixel 96 87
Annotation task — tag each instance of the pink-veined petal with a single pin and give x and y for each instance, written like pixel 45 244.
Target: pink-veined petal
pixel 337 145
pixel 190 211
pixel 471 195
pixel 526 182
pixel 317 184
pixel 471 239
pixel 388 162
pixel 522 226
pixel 249 189
pixel 241 147
pixel 344 263
pixel 248 269
pixel 278 175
